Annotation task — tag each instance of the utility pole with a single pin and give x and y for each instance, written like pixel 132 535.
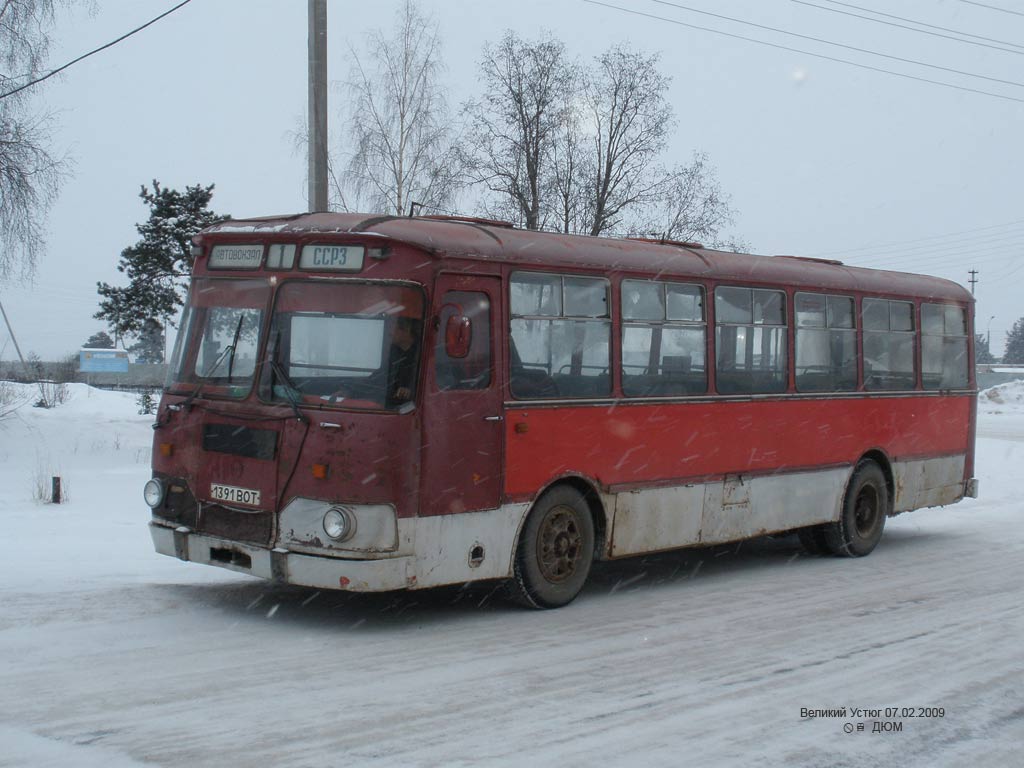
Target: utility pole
pixel 317 105
pixel 974 278
pixel 18 349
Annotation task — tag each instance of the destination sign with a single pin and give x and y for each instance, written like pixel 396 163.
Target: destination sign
pixel 236 257
pixel 332 258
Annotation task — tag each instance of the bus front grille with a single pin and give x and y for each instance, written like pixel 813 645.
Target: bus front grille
pixel 253 527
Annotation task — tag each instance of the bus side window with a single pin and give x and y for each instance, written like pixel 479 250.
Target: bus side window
pixel 561 336
pixel 943 346
pixel 663 339
pixel 826 343
pixel 750 340
pixel 888 344
pixel 474 370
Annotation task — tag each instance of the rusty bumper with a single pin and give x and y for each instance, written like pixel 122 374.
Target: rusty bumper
pixel 284 567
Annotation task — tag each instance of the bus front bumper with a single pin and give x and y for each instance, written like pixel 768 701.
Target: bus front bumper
pixel 284 567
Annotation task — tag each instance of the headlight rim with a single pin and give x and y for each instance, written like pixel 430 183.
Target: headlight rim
pixel 161 487
pixel 343 514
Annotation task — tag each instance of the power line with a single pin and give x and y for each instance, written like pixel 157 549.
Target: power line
pixel 840 45
pixel 904 26
pixel 930 237
pixel 950 256
pixel 94 51
pixel 992 7
pixel 925 24
pixel 996 240
pixel 806 53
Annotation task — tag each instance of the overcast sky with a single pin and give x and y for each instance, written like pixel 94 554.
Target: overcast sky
pixel 820 157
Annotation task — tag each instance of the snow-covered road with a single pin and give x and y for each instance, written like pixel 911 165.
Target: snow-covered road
pixel 113 656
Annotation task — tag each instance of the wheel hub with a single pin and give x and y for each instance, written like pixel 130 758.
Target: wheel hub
pixel 866 511
pixel 559 545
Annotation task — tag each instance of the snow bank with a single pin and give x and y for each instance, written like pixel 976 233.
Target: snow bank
pixel 99 445
pixel 1004 397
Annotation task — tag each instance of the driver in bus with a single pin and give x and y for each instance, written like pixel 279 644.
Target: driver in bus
pixel 402 362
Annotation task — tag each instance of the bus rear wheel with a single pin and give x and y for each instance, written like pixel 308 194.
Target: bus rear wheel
pixel 555 552
pixel 865 508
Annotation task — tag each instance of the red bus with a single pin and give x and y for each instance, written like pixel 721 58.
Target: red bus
pixel 382 403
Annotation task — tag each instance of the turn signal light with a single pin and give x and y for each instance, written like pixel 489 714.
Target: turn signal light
pixel 320 471
pixel 166 449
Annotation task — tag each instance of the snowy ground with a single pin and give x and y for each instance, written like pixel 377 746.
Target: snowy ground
pixel 111 655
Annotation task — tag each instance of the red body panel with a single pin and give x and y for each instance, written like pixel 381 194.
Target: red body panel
pixel 371 458
pixel 620 446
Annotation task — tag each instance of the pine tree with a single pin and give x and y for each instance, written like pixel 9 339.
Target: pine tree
pixel 982 354
pixel 158 266
pixel 100 340
pixel 150 346
pixel 1015 344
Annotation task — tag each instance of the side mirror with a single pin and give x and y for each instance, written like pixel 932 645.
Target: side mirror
pixel 458 335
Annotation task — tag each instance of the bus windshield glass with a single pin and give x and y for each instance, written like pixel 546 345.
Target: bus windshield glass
pixel 350 345
pixel 219 337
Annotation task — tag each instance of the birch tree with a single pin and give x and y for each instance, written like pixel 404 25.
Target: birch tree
pixel 569 167
pixel 513 126
pixel 30 169
pixel 691 206
pixel 583 149
pixel 403 146
pixel 630 121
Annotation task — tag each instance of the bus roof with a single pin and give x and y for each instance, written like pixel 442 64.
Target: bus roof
pixel 499 242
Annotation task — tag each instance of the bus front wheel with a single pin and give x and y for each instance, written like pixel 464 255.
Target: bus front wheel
pixel 865 508
pixel 556 549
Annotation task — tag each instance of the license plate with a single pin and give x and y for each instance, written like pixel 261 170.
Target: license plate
pixel 235 495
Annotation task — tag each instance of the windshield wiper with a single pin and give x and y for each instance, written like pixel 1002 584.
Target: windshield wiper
pixel 199 387
pixel 288 387
pixel 233 346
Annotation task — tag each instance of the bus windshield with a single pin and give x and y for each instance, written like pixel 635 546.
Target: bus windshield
pixel 219 337
pixel 351 345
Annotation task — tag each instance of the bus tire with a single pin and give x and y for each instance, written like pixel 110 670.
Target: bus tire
pixel 812 539
pixel 865 508
pixel 555 552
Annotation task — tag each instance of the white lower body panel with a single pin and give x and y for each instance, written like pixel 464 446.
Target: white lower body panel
pixel 928 483
pixel 474 546
pixel 434 551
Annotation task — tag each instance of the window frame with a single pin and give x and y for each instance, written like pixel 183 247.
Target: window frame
pixel 263 393
pixel 914 334
pixel 662 323
pixel 854 329
pixel 607 319
pixel 786 331
pixel 965 336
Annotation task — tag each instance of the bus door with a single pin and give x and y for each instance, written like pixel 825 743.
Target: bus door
pixel 462 419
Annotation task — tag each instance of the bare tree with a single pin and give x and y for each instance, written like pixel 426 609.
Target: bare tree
pixel 30 171
pixel 630 121
pixel 513 126
pixel 569 168
pixel 691 206
pixel 403 149
pixel 337 200
pixel 580 150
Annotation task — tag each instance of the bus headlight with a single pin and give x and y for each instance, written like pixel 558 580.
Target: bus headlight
pixel 153 493
pixel 339 523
